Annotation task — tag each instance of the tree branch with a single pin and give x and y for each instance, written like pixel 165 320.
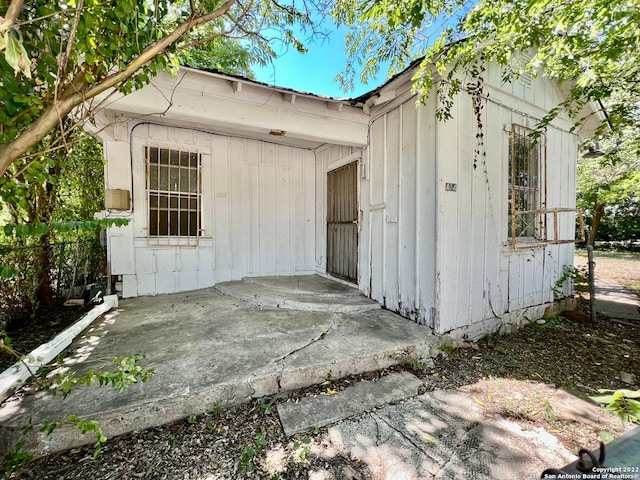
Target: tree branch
pixel 10 16
pixel 77 93
pixel 72 35
pixel 195 43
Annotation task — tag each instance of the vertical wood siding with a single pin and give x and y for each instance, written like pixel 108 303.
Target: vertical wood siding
pixel 479 276
pixel 442 256
pixel 399 208
pixel 258 213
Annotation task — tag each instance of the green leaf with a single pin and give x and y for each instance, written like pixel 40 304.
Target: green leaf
pixel 16 55
pixel 8 272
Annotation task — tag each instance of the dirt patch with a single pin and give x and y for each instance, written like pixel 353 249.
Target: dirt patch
pixel 576 422
pixel 579 357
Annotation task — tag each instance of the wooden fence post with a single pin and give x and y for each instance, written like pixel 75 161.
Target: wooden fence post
pixel 592 286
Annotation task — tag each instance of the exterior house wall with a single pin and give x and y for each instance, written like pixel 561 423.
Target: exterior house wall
pixel 258 212
pixel 437 208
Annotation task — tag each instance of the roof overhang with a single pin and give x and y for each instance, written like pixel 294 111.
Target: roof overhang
pixel 220 103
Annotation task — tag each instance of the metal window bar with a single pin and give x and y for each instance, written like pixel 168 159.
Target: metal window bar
pixel 173 196
pixel 556 240
pixel 527 166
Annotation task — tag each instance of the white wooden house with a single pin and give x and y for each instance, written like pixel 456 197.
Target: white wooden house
pixel 230 178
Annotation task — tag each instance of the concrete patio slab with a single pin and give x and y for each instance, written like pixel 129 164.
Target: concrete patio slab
pixel 311 293
pixel 208 349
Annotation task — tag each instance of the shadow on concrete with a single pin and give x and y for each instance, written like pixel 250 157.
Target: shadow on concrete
pixel 442 435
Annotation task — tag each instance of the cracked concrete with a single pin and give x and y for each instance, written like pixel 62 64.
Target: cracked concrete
pixel 324 410
pixel 208 349
pixel 443 435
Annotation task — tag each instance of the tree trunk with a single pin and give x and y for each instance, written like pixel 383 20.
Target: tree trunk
pixel 41 277
pixel 597 216
pixel 42 264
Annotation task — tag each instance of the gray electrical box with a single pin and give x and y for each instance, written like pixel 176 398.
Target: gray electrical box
pixel 117 199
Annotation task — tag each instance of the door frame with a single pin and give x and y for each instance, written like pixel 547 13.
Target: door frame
pixel 342 162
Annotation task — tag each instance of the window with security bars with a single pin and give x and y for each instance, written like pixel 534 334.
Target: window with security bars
pixel 526 159
pixel 173 194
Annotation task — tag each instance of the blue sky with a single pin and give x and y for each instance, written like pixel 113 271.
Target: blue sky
pixel 314 72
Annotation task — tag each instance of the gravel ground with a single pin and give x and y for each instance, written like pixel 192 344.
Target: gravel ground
pixel 512 376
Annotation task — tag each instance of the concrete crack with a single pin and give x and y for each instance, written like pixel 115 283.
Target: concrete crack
pixel 312 341
pixel 377 430
pixel 456 448
pixel 279 376
pixel 400 432
pixel 282 359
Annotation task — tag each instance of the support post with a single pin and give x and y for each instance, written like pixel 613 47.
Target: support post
pixel 592 286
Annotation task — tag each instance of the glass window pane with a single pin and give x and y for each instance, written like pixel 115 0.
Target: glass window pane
pixel 174 173
pixel 163 222
pixel 524 179
pixel 184 180
pixel 164 156
pixel 152 155
pixel 193 181
pixel 173 223
pixel 164 179
pixel 153 177
pixel 175 179
pixel 153 222
pixel 193 223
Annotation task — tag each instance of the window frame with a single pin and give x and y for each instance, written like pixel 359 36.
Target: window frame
pixel 178 202
pixel 531 230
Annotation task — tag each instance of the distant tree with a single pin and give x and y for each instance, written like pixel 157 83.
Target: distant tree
pixel 608 190
pixel 223 54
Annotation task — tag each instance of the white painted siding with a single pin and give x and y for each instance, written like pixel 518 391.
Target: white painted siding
pixel 398 203
pixel 258 212
pixel 441 255
pixel 433 242
pixel 480 276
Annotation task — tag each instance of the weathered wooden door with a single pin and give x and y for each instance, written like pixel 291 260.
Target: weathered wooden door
pixel 342 222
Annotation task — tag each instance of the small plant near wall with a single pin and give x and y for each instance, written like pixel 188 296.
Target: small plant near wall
pixel 580 278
